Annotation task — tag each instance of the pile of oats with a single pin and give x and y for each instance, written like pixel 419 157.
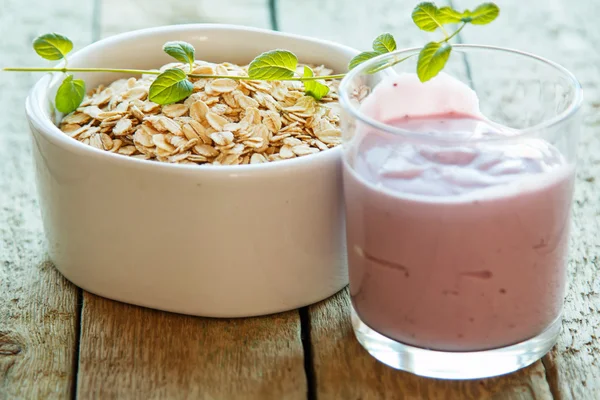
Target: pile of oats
pixel 225 121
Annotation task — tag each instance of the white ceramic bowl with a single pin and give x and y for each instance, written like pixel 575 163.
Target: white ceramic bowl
pixel 220 241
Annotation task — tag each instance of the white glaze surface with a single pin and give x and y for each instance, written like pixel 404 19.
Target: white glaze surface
pixel 222 241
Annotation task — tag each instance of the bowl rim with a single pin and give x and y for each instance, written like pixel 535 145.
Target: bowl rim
pixel 43 123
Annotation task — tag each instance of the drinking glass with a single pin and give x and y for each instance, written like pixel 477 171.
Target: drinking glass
pixel 451 278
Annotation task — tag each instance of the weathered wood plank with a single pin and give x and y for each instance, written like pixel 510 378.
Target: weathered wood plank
pixel 126 15
pixel 344 370
pixel 566 34
pixel 38 308
pixel 129 352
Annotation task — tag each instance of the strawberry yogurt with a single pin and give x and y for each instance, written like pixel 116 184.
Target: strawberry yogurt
pixel 457 240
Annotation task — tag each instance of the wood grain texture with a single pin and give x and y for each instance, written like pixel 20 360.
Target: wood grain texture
pixel 38 308
pixel 130 352
pixel 126 15
pixel 344 370
pixel 566 34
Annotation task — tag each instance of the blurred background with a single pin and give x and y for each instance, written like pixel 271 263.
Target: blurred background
pixel 551 28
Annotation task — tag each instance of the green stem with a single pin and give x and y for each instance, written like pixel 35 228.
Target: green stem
pixel 455 32
pixel 127 71
pixel 444 31
pixel 391 64
pixel 439 25
pixel 314 78
pixel 247 78
pixel 151 72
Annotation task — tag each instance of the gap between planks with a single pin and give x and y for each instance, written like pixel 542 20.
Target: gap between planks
pixel 309 367
pixel 78 315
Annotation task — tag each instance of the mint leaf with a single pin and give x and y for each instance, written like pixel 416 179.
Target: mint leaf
pixel 432 59
pixel 483 14
pixel 447 15
pixel 361 58
pixel 384 43
pixel 170 87
pixel 181 51
pixel 314 88
pixel 273 65
pixel 69 95
pixel 52 46
pixel 425 15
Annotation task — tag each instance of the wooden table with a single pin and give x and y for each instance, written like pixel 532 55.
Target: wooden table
pixel 57 341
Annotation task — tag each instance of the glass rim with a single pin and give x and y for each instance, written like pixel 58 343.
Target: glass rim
pixel 344 99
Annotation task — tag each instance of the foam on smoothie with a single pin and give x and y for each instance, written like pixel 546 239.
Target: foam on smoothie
pixel 456 245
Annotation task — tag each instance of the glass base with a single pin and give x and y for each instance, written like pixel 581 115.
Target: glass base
pixel 455 365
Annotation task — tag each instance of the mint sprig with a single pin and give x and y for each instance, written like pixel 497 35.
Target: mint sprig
pixel 314 88
pixel 428 17
pixel 52 46
pixel 182 52
pixel 361 58
pixel 174 84
pixel 384 43
pixel 448 15
pixel 432 59
pixel 483 14
pixel 70 94
pixel 273 65
pixel 171 86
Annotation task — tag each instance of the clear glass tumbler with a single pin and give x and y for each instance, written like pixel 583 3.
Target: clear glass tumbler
pixel 457 241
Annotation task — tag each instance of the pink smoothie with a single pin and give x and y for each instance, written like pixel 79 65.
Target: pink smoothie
pixel 455 247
